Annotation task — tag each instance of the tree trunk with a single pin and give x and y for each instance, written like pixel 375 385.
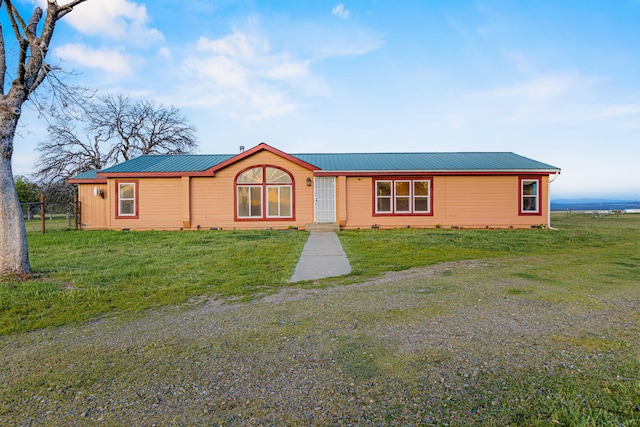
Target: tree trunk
pixel 31 71
pixel 14 255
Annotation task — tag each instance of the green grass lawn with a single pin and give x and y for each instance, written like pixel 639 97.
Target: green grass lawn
pixel 79 275
pixel 374 251
pixel 346 352
pixel 51 223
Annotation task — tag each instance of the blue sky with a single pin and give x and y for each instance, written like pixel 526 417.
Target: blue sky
pixel 557 81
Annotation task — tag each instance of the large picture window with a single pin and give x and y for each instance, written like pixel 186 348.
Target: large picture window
pixel 127 200
pixel 530 196
pixel 264 192
pixel 403 197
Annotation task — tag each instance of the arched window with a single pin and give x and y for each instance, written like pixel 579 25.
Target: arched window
pixel 258 184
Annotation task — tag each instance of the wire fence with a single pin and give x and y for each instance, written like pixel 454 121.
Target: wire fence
pixel 57 216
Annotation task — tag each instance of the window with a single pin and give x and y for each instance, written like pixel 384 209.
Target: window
pixel 530 196
pixel 127 200
pixel 279 201
pixel 383 196
pixel 403 197
pixel 249 202
pixel 421 196
pixel 258 184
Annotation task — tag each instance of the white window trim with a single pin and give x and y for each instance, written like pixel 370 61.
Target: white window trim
pixel 389 197
pixel 259 186
pixel 264 185
pixel 523 196
pixel 279 187
pixel 121 199
pixel 393 209
pixel 408 197
pixel 427 197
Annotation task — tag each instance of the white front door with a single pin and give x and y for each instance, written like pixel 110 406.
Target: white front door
pixel 325 199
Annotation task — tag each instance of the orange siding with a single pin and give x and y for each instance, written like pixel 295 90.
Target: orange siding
pixel 159 205
pixel 359 203
pixel 186 201
pixel 463 201
pixel 213 199
pixel 93 209
pixel 341 202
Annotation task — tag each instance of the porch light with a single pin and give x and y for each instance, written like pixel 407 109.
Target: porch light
pixel 97 192
pixel 308 182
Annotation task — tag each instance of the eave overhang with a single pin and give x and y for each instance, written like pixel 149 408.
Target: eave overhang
pixel 491 172
pixel 98 180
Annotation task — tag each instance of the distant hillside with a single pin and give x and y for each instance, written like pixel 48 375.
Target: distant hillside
pixel 593 204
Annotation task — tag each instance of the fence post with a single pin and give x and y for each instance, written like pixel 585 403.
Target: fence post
pixel 76 220
pixel 42 211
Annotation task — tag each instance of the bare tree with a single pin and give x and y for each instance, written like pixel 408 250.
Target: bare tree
pixel 111 130
pixel 31 71
pixel 141 127
pixel 62 194
pixel 67 153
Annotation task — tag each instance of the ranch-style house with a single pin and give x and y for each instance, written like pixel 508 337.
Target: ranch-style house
pixel 264 187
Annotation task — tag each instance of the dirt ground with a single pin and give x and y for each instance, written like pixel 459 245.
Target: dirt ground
pixel 452 344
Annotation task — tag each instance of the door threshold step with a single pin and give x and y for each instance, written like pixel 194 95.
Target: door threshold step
pixel 334 226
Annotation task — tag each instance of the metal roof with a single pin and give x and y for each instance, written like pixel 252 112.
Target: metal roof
pixel 92 174
pixel 465 161
pixel 170 163
pixel 343 162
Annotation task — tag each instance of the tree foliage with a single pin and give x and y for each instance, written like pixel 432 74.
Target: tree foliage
pixel 28 191
pixel 112 129
pixel 28 195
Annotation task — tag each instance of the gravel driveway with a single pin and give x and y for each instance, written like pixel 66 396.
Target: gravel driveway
pixel 433 346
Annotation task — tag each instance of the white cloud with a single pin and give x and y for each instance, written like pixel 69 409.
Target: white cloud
pixel 340 11
pixel 541 99
pixel 237 45
pixel 622 110
pixel 338 41
pixel 165 53
pixel 108 60
pixel 254 75
pixel 241 70
pixel 286 69
pixel 540 89
pixel 269 103
pixel 220 70
pixel 553 100
pixel 114 19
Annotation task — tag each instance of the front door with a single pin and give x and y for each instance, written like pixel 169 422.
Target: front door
pixel 325 199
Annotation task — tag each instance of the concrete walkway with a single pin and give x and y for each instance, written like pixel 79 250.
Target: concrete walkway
pixel 321 257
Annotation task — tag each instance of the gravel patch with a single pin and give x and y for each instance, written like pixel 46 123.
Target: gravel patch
pixel 434 346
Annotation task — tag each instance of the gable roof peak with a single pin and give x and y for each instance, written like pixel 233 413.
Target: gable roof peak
pixel 263 147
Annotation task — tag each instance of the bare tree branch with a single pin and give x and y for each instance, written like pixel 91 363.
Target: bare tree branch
pixel 67 7
pixel 66 154
pixel 33 22
pixel 115 129
pixel 13 17
pixel 60 99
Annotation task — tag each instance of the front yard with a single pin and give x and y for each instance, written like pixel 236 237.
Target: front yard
pixel 466 327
